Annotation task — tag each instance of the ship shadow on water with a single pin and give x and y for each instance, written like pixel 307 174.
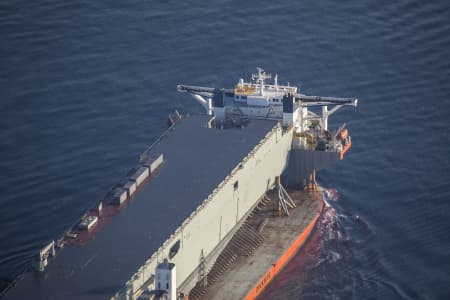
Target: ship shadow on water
pixel 328 267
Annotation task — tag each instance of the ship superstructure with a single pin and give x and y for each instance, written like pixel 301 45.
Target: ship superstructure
pixel 314 145
pixel 258 100
pixel 185 205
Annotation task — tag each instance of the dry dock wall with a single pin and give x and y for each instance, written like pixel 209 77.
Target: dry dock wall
pixel 219 213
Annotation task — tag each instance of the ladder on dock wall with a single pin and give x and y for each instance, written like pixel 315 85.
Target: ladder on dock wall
pixel 244 242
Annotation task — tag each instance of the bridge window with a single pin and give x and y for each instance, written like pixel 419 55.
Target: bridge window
pixel 236 185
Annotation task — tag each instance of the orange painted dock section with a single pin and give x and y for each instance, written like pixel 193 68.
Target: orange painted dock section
pixel 283 260
pixel 276 240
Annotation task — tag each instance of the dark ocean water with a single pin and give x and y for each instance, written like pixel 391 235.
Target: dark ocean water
pixel 85 86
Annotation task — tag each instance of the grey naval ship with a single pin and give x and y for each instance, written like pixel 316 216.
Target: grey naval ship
pixel 214 209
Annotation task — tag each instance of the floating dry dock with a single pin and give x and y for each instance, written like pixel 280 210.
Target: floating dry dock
pixel 196 161
pixel 182 221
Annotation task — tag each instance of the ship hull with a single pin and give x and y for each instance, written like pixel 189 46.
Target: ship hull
pixel 215 190
pixel 261 248
pixel 209 181
pixel 282 261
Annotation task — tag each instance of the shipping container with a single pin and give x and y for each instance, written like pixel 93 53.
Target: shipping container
pixel 119 196
pixel 130 187
pixel 88 222
pixel 156 163
pixel 140 175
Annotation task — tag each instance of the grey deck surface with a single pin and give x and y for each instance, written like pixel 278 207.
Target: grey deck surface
pixel 197 159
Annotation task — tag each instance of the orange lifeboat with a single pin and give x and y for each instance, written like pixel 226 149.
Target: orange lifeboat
pixel 343 134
